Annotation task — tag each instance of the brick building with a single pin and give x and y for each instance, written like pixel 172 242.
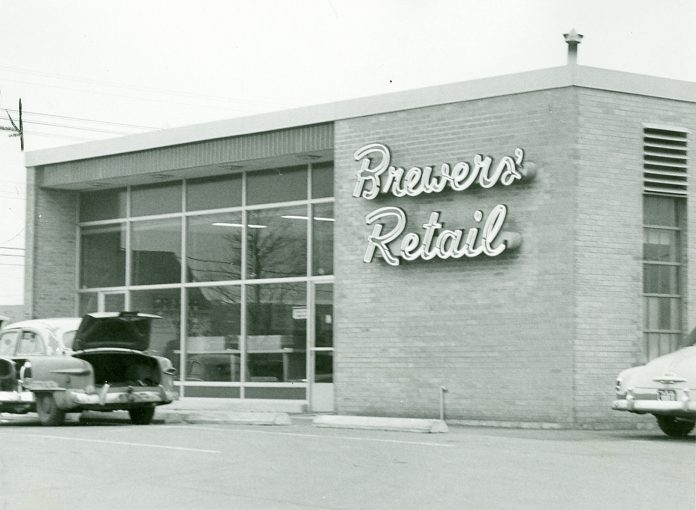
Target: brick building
pixel 547 216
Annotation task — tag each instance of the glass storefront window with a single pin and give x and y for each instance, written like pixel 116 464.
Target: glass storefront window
pixel 323 333
pixel 103 256
pixel 156 251
pixel 214 247
pixel 89 302
pixel 277 185
pixel 213 333
pixel 156 199
pixel 226 254
pixel 164 335
pixel 103 205
pixel 214 193
pixel 322 180
pixel 323 366
pixel 323 319
pixel 322 239
pixel 277 332
pixel 277 242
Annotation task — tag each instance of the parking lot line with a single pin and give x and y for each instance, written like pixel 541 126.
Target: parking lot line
pixel 320 436
pixel 119 443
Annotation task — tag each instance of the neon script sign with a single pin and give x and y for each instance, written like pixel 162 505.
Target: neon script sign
pixel 378 177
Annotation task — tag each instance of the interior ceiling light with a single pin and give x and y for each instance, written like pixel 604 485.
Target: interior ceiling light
pixel 239 225
pixel 297 217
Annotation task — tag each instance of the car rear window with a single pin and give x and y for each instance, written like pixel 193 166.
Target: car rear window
pixel 68 338
pixel 8 342
pixel 30 343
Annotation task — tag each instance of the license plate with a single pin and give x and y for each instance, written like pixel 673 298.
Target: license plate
pixel 666 395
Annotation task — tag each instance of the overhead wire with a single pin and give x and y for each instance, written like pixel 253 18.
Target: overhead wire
pixel 130 86
pixel 67 126
pixel 25 112
pixel 157 99
pixel 57 135
pixel 19 233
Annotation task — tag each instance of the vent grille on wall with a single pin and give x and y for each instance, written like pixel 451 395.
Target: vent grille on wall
pixel 664 161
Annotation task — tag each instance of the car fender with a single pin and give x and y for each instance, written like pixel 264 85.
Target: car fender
pixel 625 378
pixel 56 373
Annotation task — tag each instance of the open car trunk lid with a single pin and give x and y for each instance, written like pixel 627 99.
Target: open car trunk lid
pixel 120 330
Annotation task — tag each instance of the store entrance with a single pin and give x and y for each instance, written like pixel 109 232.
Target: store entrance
pixel 321 369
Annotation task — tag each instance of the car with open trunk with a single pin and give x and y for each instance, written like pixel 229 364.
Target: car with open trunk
pixel 69 365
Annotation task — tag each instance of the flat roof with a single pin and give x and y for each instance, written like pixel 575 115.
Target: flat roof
pixel 543 79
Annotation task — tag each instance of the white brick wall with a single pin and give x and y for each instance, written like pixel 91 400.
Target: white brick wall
pixel 496 332
pixel 609 241
pixel 51 238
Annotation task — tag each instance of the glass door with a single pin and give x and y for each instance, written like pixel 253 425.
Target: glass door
pixel 321 386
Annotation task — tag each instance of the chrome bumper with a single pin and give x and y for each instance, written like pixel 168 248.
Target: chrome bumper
pixel 115 397
pixel 16 397
pixel 105 398
pixel 634 404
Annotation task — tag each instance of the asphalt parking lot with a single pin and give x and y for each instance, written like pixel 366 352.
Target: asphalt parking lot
pixel 114 465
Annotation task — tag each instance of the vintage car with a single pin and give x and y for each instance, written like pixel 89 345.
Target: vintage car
pixel 70 365
pixel 665 387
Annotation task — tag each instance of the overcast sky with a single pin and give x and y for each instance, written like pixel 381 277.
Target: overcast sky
pixel 92 69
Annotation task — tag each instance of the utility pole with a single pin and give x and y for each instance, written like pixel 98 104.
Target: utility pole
pixel 18 128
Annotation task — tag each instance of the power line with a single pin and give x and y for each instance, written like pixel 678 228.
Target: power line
pixel 43 133
pixel 19 233
pixel 81 119
pixel 172 92
pixel 67 126
pixel 128 96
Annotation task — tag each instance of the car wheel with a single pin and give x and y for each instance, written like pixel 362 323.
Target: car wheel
pixel 141 415
pixel 675 427
pixel 48 411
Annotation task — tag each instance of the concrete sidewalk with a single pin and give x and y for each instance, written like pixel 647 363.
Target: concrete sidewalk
pixel 266 412
pixel 214 410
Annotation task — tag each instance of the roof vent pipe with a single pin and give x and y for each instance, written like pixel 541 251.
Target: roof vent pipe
pixel 572 39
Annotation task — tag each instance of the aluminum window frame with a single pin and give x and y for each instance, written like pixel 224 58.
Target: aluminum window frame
pixel 243 282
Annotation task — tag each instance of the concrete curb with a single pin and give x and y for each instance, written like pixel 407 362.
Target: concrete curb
pixel 380 423
pixel 227 417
